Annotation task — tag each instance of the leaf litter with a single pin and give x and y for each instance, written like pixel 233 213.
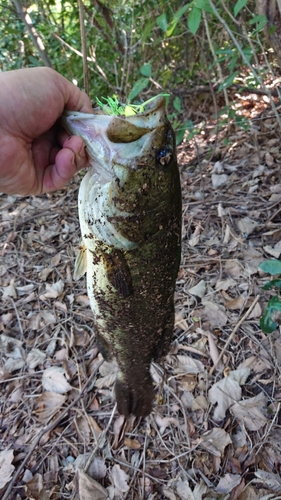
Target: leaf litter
pixel 215 431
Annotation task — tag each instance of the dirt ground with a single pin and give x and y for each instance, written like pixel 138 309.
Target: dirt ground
pixel 215 430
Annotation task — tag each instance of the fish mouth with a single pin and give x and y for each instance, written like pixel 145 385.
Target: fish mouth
pixel 116 139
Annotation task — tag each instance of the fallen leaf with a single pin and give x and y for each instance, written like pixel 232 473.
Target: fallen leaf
pixel 53 380
pixel 35 488
pixel 224 394
pixel 184 491
pixel 228 482
pixel 119 479
pixel 247 226
pixel 198 290
pixel 6 467
pixel 225 284
pixel 47 405
pixel 52 291
pixel 219 180
pixel 215 441
pixel 90 489
pixel 186 364
pixel 35 358
pixel 96 469
pixel 269 480
pixel 250 412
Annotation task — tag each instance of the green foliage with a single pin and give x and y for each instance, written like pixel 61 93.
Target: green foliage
pixel 268 321
pixel 137 48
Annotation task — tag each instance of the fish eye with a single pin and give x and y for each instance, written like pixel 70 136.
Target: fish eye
pixel 164 156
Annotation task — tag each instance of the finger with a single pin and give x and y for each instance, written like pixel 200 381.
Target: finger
pixel 68 161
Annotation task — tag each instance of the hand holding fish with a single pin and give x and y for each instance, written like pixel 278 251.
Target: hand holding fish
pixel 36 155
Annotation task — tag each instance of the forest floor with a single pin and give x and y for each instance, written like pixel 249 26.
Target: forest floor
pixel 215 430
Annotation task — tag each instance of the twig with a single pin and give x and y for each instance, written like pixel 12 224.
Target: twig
pixel 45 429
pixel 234 331
pixel 83 46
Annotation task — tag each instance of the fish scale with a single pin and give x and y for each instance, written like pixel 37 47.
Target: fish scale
pixel 130 217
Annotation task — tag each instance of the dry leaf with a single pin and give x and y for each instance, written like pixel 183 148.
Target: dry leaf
pixel 184 491
pixel 164 422
pixel 90 489
pixel 198 290
pixel 53 291
pixel 35 358
pixel 214 352
pixel 35 488
pixel 237 303
pixel 225 284
pixel 186 364
pixel 269 480
pixel 119 479
pixel 233 268
pixel 250 412
pixel 247 226
pixel 228 482
pixel 224 393
pixel 219 180
pixel 215 441
pixel 83 300
pixel 211 313
pixel 9 291
pixel 47 405
pixel 96 469
pixel 54 380
pixel 200 403
pixel 108 370
pixel 6 467
pixel 11 347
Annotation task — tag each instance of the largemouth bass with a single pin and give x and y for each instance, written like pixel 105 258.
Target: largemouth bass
pixel 130 216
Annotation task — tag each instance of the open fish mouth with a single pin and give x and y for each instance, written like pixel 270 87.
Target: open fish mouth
pixel 111 140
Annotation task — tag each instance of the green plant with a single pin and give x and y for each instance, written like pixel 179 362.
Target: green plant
pixel 268 321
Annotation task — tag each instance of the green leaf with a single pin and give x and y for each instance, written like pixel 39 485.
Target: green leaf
pixel 260 22
pixel 228 81
pixel 267 323
pixel 146 70
pixel 238 6
pixel 194 19
pixel 138 87
pixel 272 266
pixel 161 21
pixel 177 104
pixel 273 283
pixel 178 15
pixel 203 5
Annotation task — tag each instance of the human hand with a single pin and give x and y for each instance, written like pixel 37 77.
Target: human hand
pixel 36 155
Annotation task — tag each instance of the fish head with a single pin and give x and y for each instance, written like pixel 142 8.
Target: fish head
pixel 117 144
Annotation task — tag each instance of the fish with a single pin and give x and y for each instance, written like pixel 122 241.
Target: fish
pixel 130 216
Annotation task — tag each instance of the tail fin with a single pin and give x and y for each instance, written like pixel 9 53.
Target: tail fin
pixel 134 398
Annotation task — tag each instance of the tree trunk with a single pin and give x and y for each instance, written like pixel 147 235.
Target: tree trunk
pixel 272 10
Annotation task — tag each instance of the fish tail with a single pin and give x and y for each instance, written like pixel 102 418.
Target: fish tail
pixel 134 397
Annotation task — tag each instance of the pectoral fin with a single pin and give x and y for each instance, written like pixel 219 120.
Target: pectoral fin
pixel 118 272
pixel 80 266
